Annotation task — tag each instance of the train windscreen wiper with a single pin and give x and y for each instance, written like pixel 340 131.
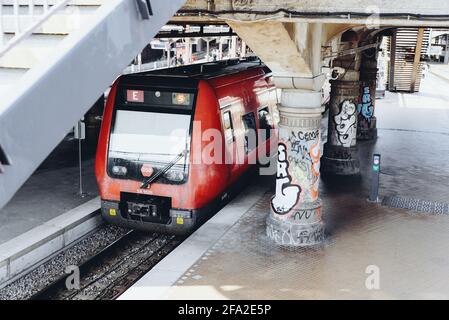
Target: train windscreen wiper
pixel 151 179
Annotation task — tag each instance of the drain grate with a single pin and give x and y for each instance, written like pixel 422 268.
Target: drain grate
pixel 416 205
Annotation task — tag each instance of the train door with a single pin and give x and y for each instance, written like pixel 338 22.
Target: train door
pixel 249 124
pixel 231 156
pixel 265 123
pixel 274 100
pixel 250 137
pixel 265 120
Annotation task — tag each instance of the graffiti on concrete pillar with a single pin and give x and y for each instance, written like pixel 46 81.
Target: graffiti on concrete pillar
pixel 300 143
pixel 346 123
pixel 304 157
pixel 366 108
pixel 315 155
pixel 287 194
pixel 303 215
pixel 293 234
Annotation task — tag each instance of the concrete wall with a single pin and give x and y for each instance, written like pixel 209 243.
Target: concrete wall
pixel 403 6
pixel 349 11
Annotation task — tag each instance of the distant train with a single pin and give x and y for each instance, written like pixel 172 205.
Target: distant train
pixel 157 127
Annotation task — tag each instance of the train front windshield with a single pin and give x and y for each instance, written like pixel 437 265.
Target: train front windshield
pixel 150 132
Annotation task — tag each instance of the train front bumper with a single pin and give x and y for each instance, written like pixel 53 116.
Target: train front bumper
pixel 180 222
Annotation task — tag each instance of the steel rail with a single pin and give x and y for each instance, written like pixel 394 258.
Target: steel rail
pixel 108 254
pixel 104 256
pixel 59 282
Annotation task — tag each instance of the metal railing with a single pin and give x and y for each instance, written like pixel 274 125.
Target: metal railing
pixel 141 67
pixel 20 35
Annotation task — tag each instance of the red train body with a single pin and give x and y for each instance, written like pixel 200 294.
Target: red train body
pixel 160 126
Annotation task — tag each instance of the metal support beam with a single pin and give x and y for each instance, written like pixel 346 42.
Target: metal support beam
pixel 417 58
pixel 392 70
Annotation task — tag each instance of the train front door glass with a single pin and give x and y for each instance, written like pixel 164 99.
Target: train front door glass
pixel 142 137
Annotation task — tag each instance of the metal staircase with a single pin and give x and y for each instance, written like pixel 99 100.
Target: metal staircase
pixel 56 58
pixel 16 17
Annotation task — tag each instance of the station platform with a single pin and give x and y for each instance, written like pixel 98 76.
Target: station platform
pixel 51 191
pixel 230 257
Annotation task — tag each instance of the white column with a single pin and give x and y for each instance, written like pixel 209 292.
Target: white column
pixel 243 50
pixel 199 45
pixel 188 51
pixel 188 44
pixel 139 61
pixel 220 49
pixel 168 53
pixel 233 50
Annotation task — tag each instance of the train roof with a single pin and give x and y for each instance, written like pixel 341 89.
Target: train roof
pixel 189 75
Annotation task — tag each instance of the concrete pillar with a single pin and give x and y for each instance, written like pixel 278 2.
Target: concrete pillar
pixel 340 152
pixel 295 215
pixel 366 123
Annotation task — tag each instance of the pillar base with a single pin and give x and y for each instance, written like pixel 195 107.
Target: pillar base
pixel 303 228
pixel 367 134
pixel 339 160
pixel 368 131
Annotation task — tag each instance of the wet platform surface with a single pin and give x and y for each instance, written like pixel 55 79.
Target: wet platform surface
pixel 51 191
pixel 410 252
pixel 408 248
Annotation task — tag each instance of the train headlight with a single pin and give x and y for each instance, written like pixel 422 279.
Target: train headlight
pixel 119 170
pixel 175 175
pixel 182 99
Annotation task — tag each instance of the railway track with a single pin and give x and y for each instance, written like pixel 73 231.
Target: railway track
pixel 107 274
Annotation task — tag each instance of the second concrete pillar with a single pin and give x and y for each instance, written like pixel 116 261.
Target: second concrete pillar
pixel 367 129
pixel 340 152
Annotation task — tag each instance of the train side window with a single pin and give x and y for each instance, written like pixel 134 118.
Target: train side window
pixel 228 127
pixel 265 122
pixel 249 123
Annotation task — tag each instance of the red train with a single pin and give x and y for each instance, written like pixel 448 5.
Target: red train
pixel 171 141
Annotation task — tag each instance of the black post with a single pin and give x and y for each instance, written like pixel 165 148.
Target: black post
pixel 80 134
pixel 374 193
